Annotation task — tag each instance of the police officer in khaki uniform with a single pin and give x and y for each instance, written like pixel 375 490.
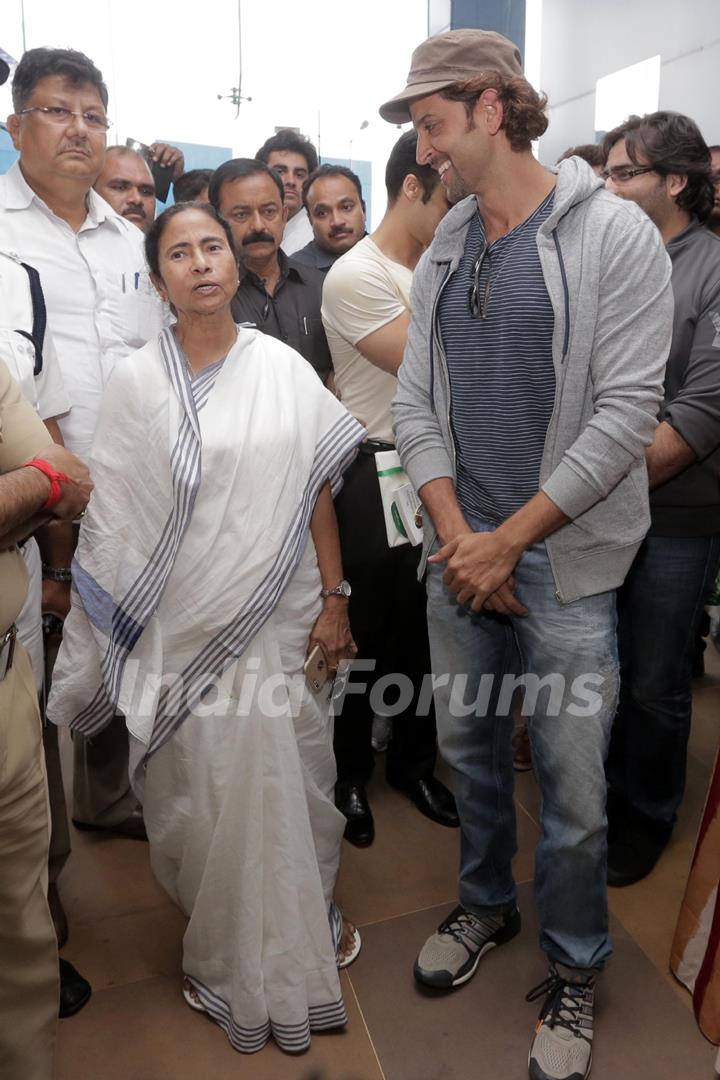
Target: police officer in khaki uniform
pixel 39 481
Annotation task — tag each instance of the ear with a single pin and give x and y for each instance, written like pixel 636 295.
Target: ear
pixel 675 184
pixel 489 111
pixel 411 187
pixel 13 126
pixel 159 285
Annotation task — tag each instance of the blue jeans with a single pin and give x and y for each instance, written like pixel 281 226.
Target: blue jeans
pixel 659 611
pixel 475 656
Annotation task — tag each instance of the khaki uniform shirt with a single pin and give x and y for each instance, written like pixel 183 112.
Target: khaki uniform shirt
pixel 22 436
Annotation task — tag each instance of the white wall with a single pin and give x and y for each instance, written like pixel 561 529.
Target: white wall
pixel 583 40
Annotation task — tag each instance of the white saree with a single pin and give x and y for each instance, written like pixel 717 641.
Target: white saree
pixel 195 587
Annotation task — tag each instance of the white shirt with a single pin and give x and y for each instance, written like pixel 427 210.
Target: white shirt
pixel 45 391
pixel 298 232
pixel 100 300
pixel 47 395
pixel 364 291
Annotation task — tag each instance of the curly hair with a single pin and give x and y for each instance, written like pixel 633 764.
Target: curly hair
pixel 672 144
pixel 524 116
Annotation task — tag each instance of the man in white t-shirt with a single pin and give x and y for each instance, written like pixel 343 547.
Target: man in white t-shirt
pixel 100 303
pixel 366 312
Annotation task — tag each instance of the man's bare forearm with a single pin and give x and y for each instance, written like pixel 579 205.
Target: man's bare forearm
pixel 440 500
pixel 538 518
pixel 667 456
pixel 23 492
pixel 534 521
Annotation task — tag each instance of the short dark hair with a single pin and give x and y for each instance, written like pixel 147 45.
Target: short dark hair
pixel 291 141
pixel 188 186
pixel 403 162
pixel 332 170
pixel 524 116
pixel 238 169
pixel 159 225
pixel 35 64
pixel 671 143
pixel 590 152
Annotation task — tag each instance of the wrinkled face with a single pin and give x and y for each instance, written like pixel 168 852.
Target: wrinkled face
pixel 127 184
pixel 336 213
pixel 648 189
pixel 449 142
pixel 293 170
pixel 253 206
pixel 198 271
pixel 69 150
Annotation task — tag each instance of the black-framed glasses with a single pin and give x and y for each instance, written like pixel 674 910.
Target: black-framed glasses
pixel 620 174
pixel 58 114
pixel 479 298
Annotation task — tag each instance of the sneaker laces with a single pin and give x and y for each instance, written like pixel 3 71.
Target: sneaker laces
pixel 466 926
pixel 567 1005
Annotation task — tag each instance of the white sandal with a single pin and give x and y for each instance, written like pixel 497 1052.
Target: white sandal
pixel 191 996
pixel 346 961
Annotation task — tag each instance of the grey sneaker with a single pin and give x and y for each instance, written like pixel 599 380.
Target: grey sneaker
pixel 451 955
pixel 562 1047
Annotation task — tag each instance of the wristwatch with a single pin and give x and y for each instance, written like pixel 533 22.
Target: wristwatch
pixel 343 589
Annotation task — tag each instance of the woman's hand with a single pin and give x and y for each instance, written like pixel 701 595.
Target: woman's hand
pixel 332 632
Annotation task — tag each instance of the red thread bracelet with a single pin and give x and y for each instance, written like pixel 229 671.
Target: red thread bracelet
pixel 56 480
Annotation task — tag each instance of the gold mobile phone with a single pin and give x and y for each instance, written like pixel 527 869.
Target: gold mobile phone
pixel 316 669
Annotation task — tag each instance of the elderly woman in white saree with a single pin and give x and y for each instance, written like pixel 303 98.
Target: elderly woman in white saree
pixel 197 590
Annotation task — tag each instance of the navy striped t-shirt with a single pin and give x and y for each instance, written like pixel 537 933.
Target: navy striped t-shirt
pixel 501 368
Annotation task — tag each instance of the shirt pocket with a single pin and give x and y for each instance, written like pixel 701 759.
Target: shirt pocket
pixel 130 312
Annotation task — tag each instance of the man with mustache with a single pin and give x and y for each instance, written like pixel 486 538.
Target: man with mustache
pixel 101 305
pixel 332 196
pixel 275 294
pixel 127 184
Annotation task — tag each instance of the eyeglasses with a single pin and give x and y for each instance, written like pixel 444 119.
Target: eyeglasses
pixel 480 298
pixel 620 174
pixel 57 114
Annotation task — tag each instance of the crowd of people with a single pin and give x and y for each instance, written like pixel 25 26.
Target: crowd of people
pixel 212 420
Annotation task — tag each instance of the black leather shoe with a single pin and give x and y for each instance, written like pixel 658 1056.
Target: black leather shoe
pixel 432 799
pixel 133 826
pixel 74 990
pixel 634 850
pixel 351 800
pixel 57 911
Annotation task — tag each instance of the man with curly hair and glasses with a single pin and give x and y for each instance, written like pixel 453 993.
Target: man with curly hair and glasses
pixel 661 162
pixel 526 399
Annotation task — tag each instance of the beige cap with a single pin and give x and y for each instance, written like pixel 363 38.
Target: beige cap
pixel 453 57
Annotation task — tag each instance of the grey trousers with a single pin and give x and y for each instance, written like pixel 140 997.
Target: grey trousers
pixel 101 784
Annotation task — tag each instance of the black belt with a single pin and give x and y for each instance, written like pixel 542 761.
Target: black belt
pixel 375 446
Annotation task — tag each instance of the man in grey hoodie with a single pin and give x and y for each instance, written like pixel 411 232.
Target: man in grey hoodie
pixel 526 399
pixel 661 162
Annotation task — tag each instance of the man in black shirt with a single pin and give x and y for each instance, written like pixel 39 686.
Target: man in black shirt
pixel 275 295
pixel 661 162
pixel 332 196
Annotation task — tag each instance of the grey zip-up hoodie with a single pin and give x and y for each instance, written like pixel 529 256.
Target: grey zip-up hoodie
pixel 608 278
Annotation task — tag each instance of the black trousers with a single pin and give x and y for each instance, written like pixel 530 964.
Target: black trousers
pixel 388 621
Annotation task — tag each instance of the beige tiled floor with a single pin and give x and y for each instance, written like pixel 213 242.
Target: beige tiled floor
pixel 126 938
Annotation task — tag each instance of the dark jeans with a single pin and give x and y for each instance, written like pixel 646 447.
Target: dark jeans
pixel 388 621
pixel 660 607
